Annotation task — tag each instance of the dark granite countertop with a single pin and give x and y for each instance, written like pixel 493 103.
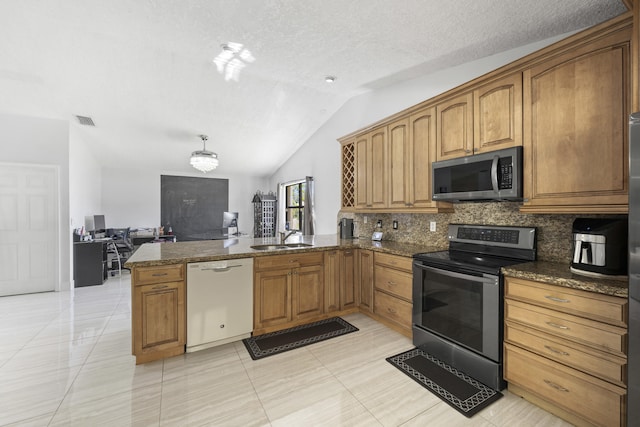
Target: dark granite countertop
pixel 555 273
pixel 151 254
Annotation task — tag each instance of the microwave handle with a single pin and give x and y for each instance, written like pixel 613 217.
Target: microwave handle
pixel 494 173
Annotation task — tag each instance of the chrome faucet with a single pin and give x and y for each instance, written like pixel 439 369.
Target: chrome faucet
pixel 284 236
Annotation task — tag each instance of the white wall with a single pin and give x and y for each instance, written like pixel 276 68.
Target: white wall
pixel 131 198
pixel 42 141
pixel 85 178
pixel 320 155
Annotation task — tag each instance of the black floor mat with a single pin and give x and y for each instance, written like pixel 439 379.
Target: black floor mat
pixel 459 390
pixel 299 336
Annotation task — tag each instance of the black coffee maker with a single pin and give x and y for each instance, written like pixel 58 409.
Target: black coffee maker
pixel 346 228
pixel 600 247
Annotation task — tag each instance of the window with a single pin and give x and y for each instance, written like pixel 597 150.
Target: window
pixel 294 206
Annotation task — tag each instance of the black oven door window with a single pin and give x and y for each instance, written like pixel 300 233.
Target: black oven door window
pixel 463 308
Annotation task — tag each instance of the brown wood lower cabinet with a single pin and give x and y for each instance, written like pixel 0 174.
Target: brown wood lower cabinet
pixel 365 279
pixel 565 350
pixel 288 290
pixel 341 289
pixel 393 281
pixel 158 312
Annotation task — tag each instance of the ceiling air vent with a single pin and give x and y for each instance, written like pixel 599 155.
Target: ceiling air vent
pixel 85 121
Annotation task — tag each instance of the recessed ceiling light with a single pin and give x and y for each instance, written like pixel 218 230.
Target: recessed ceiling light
pixel 330 79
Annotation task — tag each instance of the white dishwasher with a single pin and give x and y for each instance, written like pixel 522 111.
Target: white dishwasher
pixel 219 302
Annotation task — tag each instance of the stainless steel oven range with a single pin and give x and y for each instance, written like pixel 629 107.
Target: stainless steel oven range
pixel 458 297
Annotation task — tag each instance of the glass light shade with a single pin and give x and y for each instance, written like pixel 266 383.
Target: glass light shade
pixel 204 160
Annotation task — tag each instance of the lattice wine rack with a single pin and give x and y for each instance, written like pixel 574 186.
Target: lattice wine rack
pixel 348 175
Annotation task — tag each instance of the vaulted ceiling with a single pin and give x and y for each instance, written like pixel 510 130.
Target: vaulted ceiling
pixel 146 71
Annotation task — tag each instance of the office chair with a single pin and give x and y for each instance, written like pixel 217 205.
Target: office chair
pixel 121 247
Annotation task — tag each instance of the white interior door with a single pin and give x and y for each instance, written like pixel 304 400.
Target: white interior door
pixel 29 237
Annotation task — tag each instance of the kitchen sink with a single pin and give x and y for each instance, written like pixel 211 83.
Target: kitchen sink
pixel 279 247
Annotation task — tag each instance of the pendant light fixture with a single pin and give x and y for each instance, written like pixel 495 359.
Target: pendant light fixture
pixel 204 160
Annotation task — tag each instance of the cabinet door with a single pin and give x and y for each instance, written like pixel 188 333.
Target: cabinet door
pixel 272 297
pixel 159 317
pixel 498 114
pixel 576 138
pixel 422 137
pixel 377 176
pixel 308 292
pixel 455 127
pixel 399 162
pixel 363 161
pixel 348 285
pixel 332 281
pixel 365 279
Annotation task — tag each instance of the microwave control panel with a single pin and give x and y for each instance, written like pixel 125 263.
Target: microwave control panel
pixel 505 167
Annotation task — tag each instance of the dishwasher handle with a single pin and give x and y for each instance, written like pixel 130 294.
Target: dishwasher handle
pixel 219 269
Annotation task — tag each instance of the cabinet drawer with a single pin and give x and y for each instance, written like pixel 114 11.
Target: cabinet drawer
pixel 582 358
pixel 393 281
pixel 393 309
pixel 587 304
pixel 578 329
pixel 289 260
pixel 587 397
pixel 158 274
pixel 394 261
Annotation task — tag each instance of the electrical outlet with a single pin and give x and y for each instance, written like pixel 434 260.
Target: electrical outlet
pixel 395 224
pixel 364 219
pixel 432 226
pixel 379 223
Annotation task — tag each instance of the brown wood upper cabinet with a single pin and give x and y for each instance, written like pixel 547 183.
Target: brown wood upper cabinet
pixel 485 119
pixel 411 151
pixel 455 127
pixel 371 169
pixel 575 140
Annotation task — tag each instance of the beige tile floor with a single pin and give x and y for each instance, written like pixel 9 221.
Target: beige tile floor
pixel 65 360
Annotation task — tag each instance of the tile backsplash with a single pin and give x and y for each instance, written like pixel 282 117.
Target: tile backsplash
pixel 553 231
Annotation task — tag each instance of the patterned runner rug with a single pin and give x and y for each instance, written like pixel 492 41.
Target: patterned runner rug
pixel 459 390
pixel 298 336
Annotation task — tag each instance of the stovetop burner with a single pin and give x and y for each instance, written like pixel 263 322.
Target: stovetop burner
pixel 484 263
pixel 484 248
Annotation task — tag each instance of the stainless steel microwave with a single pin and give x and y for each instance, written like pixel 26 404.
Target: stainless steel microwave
pixel 496 175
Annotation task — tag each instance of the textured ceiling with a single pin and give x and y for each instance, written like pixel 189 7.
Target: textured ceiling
pixel 144 70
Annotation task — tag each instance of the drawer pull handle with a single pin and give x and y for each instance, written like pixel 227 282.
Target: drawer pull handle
pixel 555 350
pixel 159 274
pixel 556 299
pixel 391 283
pixel 555 325
pixel 556 386
pixel 160 286
pixel 391 310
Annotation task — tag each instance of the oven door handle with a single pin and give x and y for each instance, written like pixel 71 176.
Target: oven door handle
pixel 488 278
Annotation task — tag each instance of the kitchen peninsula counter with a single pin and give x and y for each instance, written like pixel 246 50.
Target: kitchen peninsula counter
pixel 555 273
pixel 154 254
